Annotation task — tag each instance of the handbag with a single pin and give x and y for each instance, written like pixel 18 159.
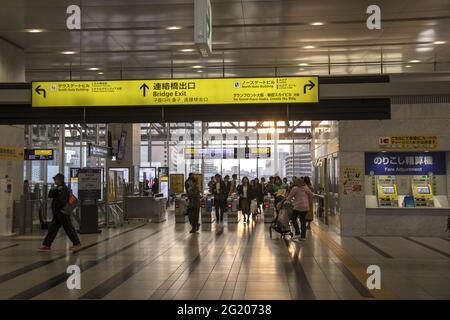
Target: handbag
pixel 71 205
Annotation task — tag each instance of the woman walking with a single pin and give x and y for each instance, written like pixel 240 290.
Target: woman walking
pixel 245 192
pixel 194 203
pixel 300 194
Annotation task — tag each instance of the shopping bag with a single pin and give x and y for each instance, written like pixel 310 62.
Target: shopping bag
pixel 71 205
pixel 253 206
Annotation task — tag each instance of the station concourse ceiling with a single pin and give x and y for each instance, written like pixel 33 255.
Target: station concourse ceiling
pixel 134 39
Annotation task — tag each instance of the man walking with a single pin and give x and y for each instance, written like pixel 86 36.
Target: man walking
pixel 60 195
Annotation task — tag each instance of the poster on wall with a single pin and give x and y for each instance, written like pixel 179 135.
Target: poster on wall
pixel 89 183
pixel 176 183
pixel 352 183
pixel 408 142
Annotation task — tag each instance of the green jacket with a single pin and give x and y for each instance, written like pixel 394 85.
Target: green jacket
pixel 277 187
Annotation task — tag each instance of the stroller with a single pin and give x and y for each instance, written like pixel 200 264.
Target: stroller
pixel 281 222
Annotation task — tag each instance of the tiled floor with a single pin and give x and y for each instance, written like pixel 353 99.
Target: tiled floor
pixel 164 261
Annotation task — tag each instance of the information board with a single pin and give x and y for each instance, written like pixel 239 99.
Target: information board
pixel 38 154
pixel 176 181
pixel 89 183
pixel 175 92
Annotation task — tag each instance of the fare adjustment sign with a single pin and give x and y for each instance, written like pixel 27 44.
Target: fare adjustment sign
pixel 175 92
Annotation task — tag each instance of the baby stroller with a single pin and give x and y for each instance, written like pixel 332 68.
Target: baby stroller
pixel 281 222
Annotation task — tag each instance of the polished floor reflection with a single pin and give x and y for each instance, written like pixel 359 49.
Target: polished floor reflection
pixel 165 261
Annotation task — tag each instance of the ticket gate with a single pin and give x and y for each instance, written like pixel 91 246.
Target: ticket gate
pixel 233 210
pixel 269 209
pixel 206 204
pixel 181 204
pixel 159 214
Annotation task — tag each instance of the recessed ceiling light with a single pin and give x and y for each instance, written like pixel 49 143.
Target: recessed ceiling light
pixel 100 73
pixel 34 30
pixel 318 23
pixel 424 49
pixel 68 52
pixel 199 71
pixel 309 47
pixel 302 69
pixel 303 64
pixel 414 61
pixel 197 67
pixel 93 69
pixel 439 42
pixel 173 28
pixel 408 66
pixel 187 50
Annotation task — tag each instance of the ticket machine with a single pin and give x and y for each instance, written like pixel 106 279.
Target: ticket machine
pixel 387 191
pixel 422 191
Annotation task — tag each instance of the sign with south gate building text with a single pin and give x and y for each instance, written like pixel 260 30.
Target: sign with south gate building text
pixel 168 92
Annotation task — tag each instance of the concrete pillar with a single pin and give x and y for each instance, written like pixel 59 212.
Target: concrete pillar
pixel 12 69
pixel 132 155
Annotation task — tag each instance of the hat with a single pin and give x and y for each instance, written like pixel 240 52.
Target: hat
pixel 59 176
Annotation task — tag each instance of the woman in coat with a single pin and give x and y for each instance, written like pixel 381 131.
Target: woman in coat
pixel 245 192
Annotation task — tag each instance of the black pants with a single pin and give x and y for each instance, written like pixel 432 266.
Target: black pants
pixel 60 219
pixel 302 215
pixel 219 206
pixel 193 216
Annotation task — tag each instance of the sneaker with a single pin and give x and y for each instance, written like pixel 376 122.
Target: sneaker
pixel 192 230
pixel 245 220
pixel 44 249
pixel 75 248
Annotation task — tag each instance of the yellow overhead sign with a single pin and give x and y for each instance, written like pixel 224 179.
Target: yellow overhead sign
pixel 11 153
pixel 175 92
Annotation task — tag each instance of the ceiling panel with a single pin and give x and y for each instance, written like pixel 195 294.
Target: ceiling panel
pixel 251 36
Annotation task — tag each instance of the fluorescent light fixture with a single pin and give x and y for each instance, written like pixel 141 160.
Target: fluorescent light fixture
pixel 408 66
pixel 301 69
pixel 414 61
pixel 93 69
pixel 173 28
pixel 197 67
pixel 100 73
pixel 317 23
pixel 303 64
pixel 68 52
pixel 199 71
pixel 34 30
pixel 187 50
pixel 309 47
pixel 439 42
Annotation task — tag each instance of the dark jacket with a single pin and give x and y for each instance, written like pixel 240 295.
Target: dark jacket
pixel 193 196
pixel 60 197
pixel 223 194
pixel 259 192
pixel 250 191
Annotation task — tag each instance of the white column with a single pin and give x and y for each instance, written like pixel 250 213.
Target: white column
pixel 12 69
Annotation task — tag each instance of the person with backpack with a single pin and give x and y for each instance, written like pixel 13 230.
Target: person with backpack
pixel 60 195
